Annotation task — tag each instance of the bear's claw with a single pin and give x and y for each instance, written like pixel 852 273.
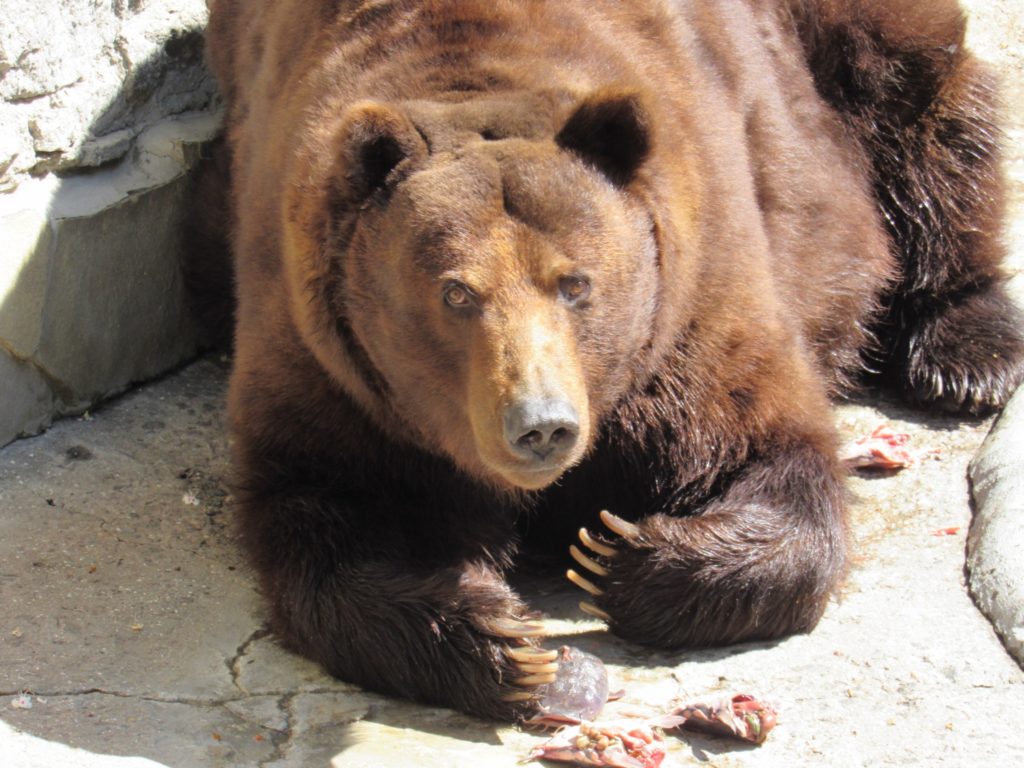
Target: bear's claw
pixel 596 546
pixel 533 680
pixel 626 530
pixel 584 584
pixel 531 655
pixel 518 696
pixel 591 565
pixel 538 667
pixel 594 611
pixel 514 629
pixel 531 667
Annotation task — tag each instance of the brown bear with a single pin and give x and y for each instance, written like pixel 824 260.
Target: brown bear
pixel 503 265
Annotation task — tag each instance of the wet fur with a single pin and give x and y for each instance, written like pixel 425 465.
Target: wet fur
pixel 823 185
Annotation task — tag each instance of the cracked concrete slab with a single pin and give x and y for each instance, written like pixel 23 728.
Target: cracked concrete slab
pixel 22 749
pixel 132 626
pixel 141 556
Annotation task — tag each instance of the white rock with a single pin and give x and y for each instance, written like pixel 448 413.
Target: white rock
pixel 995 545
pixel 77 70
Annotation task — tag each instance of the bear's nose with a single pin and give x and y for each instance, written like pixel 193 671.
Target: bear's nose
pixel 541 429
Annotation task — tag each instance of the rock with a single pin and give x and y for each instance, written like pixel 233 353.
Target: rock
pixel 103 108
pixel 996 540
pixel 144 63
pixel 88 305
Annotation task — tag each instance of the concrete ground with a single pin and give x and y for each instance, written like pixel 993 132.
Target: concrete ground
pixel 132 626
pixel 131 633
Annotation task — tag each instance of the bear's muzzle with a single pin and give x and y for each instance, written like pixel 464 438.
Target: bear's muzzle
pixel 542 431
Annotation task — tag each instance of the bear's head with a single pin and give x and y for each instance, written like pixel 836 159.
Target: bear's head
pixel 481 276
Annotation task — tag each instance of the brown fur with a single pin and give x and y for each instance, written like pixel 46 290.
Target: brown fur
pixel 208 273
pixel 684 224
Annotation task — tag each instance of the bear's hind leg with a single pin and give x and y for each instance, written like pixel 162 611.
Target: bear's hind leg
pixel 953 334
pixel 925 110
pixel 964 354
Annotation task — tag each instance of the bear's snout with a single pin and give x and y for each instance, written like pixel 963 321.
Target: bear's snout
pixel 541 430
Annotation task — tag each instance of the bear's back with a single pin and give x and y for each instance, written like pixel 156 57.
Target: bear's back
pixel 772 207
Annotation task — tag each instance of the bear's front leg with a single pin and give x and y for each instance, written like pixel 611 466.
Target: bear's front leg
pixel 443 629
pixel 756 562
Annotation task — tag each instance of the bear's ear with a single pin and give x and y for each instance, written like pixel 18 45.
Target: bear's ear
pixel 373 140
pixel 609 129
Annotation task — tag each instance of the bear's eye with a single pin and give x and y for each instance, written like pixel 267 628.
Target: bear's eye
pixel 458 296
pixel 573 288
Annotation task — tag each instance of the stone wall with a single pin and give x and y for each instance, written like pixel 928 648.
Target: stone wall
pixel 104 106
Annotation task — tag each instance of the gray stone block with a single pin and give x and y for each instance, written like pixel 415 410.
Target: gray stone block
pixel 116 98
pixel 995 546
pixel 91 291
pixel 24 270
pixel 115 308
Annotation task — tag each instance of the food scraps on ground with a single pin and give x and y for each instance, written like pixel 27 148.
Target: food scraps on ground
pixel 741 716
pixel 883 449
pixel 578 694
pixel 639 743
pixel 626 744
